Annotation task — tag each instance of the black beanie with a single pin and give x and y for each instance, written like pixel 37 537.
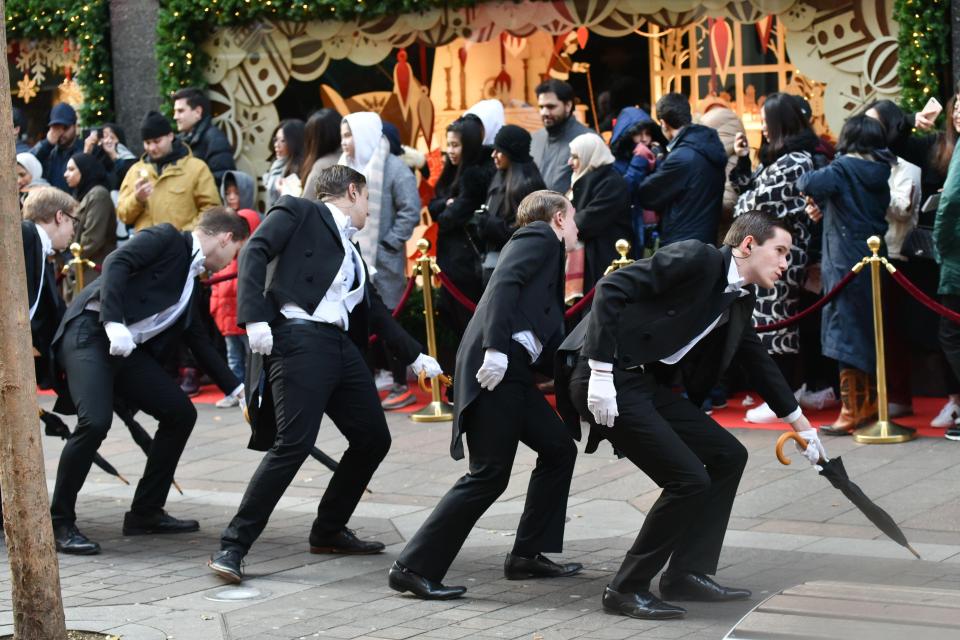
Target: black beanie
pixel 513 142
pixel 154 125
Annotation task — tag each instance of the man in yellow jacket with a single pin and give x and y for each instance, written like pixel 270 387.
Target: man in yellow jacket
pixel 168 184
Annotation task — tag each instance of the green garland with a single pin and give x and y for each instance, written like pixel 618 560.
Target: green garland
pixel 87 24
pixel 924 49
pixel 183 25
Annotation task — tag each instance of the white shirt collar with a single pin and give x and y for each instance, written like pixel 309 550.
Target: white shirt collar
pixel 196 264
pixel 734 281
pixel 45 242
pixel 342 221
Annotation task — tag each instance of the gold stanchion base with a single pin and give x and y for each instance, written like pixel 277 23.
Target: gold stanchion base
pixel 884 432
pixel 436 411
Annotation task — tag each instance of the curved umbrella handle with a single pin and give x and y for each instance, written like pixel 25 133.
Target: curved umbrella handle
pixel 782 440
pixel 443 378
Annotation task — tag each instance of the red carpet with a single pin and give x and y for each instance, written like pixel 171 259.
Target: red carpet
pixel 731 417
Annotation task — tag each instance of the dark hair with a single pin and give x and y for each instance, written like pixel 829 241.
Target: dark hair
pixel 943 148
pixel 674 109
pixel 861 134
pixel 92 174
pixel 334 181
pixel 559 88
pixel 521 179
pixel 785 119
pixel 20 120
pixel 117 131
pixel 470 130
pixel 224 220
pixel 195 98
pixel 293 136
pixel 321 137
pixel 540 205
pixel 759 224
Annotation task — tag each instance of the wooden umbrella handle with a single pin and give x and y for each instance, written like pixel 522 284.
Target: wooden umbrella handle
pixel 782 440
pixel 443 378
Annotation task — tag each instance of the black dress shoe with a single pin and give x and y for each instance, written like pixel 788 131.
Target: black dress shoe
pixel 226 563
pixel 520 568
pixel 69 540
pixel 642 604
pixel 136 525
pixel 696 586
pixel 344 541
pixel 402 579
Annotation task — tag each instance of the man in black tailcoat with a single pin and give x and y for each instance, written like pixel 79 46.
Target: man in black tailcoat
pixel 685 306
pixel 306 300
pixel 515 330
pixel 113 340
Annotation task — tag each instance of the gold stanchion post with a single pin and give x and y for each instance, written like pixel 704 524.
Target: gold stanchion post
pixel 884 430
pixel 426 267
pixel 623 248
pixel 78 263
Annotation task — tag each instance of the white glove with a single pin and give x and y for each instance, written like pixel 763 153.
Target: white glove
pixel 260 337
pixel 492 370
pixel 121 340
pixel 814 451
pixel 427 365
pixel 602 397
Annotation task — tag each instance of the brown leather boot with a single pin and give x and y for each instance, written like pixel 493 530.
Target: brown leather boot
pixel 858 396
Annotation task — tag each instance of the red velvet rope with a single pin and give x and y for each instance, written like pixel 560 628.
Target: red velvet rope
pixel 773 326
pixel 924 299
pixel 458 295
pixel 581 303
pixel 401 304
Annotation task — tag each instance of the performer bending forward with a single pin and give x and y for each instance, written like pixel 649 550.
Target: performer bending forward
pixel 687 306
pixel 516 328
pixel 308 305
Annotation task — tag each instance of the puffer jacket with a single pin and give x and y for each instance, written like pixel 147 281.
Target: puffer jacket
pixel 183 190
pixel 223 295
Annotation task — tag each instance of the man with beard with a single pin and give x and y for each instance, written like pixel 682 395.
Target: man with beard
pixel 58 147
pixel 550 147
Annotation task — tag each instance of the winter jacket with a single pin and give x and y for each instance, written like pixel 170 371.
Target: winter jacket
pixel 854 195
pixel 184 189
pixel 551 150
pixel 310 184
pixel 116 169
pixel 223 295
pixel 96 228
pixel 727 124
pixel 772 187
pixel 946 231
pixel 209 144
pixel 632 167
pixel 54 160
pixel 602 202
pixel 903 212
pixel 917 148
pixel 687 186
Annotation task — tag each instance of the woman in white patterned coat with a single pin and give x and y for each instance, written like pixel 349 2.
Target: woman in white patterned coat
pixel 787 154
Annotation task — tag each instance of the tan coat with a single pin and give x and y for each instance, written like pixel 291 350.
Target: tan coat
pixel 727 124
pixel 183 191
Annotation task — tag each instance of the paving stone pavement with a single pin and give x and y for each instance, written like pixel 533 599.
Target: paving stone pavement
pixel 788 527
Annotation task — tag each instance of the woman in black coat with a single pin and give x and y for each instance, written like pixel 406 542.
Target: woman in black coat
pixel 461 191
pixel 601 197
pixel 517 176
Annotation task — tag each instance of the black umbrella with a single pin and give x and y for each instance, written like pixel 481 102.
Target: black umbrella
pixel 139 434
pixel 54 426
pixel 834 471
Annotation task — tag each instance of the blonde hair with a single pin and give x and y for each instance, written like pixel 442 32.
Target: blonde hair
pixel 540 205
pixel 43 203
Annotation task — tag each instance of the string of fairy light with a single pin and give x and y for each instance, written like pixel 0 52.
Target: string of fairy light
pixel 86 25
pixel 924 49
pixel 183 25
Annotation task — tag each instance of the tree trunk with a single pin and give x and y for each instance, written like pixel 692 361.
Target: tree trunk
pixel 37 606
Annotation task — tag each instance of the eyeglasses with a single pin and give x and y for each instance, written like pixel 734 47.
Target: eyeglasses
pixel 75 219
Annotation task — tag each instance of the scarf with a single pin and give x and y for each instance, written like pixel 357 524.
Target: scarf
pixel 593 153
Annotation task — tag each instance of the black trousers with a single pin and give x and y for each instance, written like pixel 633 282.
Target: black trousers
pixel 495 423
pixel 94 376
pixel 950 334
pixel 314 368
pixel 694 460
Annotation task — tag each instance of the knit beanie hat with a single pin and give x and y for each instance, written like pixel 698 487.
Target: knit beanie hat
pixel 154 125
pixel 513 142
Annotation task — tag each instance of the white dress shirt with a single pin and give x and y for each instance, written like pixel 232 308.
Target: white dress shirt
pixel 156 324
pixel 340 299
pixel 529 342
pixel 46 245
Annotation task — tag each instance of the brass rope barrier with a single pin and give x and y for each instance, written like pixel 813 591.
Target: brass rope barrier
pixel 78 263
pixel 437 410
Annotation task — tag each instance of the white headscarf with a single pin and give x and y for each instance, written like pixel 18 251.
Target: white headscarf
pixel 592 152
pixel 367 130
pixel 491 115
pixel 29 162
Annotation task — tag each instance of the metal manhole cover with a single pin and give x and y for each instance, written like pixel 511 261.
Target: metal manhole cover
pixel 235 594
